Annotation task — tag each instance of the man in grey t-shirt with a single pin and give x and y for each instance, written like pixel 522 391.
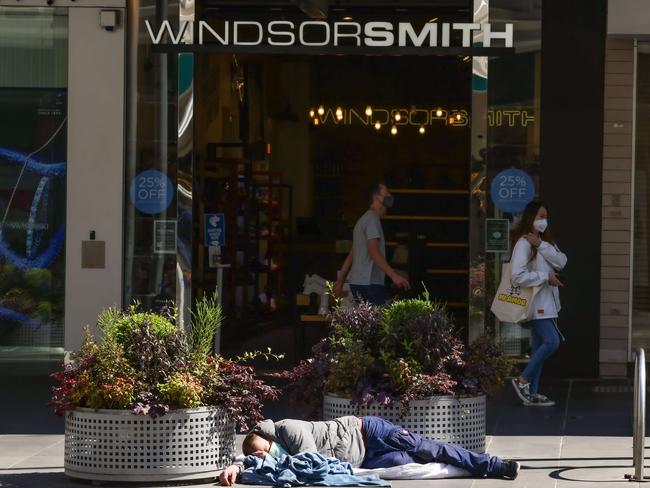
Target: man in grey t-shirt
pixel 366 262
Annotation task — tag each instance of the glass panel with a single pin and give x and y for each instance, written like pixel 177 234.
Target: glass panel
pixel 33 103
pixel 641 278
pixel 513 129
pixel 286 149
pixel 151 275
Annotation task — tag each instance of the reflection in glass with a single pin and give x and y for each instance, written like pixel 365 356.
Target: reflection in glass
pixel 33 103
pixel 641 269
pixel 513 129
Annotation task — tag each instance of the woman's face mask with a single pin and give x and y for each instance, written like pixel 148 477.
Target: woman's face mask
pixel 277 451
pixel 540 225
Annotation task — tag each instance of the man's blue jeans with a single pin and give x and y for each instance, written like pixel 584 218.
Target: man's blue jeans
pixel 389 445
pixel 373 294
pixel 545 341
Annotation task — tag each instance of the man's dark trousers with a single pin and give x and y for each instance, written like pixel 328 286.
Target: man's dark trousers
pixel 389 445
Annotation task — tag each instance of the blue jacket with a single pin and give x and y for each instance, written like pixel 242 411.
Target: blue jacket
pixel 305 468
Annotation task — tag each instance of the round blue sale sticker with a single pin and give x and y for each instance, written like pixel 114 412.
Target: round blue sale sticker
pixel 151 191
pixel 511 190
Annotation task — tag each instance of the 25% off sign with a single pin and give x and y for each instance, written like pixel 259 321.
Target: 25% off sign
pixel 511 190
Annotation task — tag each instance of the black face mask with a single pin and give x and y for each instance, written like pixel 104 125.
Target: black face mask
pixel 388 201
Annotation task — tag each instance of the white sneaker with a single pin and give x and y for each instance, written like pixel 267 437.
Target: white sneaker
pixel 523 391
pixel 537 400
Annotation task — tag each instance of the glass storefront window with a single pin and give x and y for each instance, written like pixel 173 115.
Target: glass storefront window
pixel 285 146
pixel 33 104
pixel 151 225
pixel 641 259
pixel 513 142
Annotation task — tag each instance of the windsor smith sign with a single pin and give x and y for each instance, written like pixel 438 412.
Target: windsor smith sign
pixel 332 37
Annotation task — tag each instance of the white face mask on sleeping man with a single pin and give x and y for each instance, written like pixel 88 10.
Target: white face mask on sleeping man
pixel 277 451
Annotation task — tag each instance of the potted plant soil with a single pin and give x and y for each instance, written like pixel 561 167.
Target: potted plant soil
pixel 150 402
pixel 407 363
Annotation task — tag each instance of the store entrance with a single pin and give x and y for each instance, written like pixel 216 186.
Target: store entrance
pixel 287 148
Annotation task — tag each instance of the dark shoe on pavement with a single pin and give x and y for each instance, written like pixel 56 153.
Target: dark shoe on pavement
pixel 537 400
pixel 523 391
pixel 510 469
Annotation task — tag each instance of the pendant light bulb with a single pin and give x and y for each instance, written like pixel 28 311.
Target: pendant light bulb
pixel 398 117
pixel 316 121
pixel 439 113
pixel 458 117
pixel 421 130
pixel 321 110
pixel 312 113
pixel 393 130
pixel 369 111
pixel 377 125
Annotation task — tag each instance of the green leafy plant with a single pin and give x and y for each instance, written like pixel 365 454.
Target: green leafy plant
pixel 147 364
pixel 121 326
pixel 183 390
pixel 206 322
pixel 405 350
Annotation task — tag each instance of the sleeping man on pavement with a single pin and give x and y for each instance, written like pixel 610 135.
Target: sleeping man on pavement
pixel 363 442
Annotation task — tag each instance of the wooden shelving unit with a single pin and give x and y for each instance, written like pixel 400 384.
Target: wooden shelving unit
pixel 433 224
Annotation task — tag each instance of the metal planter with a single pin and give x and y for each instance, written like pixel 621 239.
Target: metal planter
pixel 456 419
pixel 117 445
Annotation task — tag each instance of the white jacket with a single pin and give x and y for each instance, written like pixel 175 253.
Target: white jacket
pixel 527 273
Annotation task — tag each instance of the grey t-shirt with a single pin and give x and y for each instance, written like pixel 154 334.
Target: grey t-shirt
pixel 364 271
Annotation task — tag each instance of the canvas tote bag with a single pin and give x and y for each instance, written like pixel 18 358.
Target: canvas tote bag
pixel 513 304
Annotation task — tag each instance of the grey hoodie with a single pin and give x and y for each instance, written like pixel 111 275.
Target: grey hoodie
pixel 340 438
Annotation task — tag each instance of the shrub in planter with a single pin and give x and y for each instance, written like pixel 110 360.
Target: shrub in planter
pixel 145 367
pixel 147 364
pixel 406 350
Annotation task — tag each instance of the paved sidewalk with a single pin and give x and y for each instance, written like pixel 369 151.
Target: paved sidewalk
pixel 584 441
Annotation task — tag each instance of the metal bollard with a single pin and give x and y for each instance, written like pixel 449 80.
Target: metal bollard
pixel 638 444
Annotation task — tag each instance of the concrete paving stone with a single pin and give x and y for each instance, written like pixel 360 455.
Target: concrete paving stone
pixel 56 479
pixel 31 451
pixel 7 461
pixel 525 446
pixel 593 477
pixel 575 446
pixel 525 479
pixel 42 462
pixel 24 445
pixel 447 483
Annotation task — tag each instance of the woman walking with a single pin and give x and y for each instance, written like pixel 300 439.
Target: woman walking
pixel 535 262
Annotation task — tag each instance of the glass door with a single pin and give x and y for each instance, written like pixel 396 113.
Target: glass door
pixel 33 104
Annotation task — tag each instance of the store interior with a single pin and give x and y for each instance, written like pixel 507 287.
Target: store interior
pixel 286 148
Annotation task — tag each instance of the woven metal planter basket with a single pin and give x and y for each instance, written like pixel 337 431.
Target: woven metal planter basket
pixel 117 445
pixel 459 420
